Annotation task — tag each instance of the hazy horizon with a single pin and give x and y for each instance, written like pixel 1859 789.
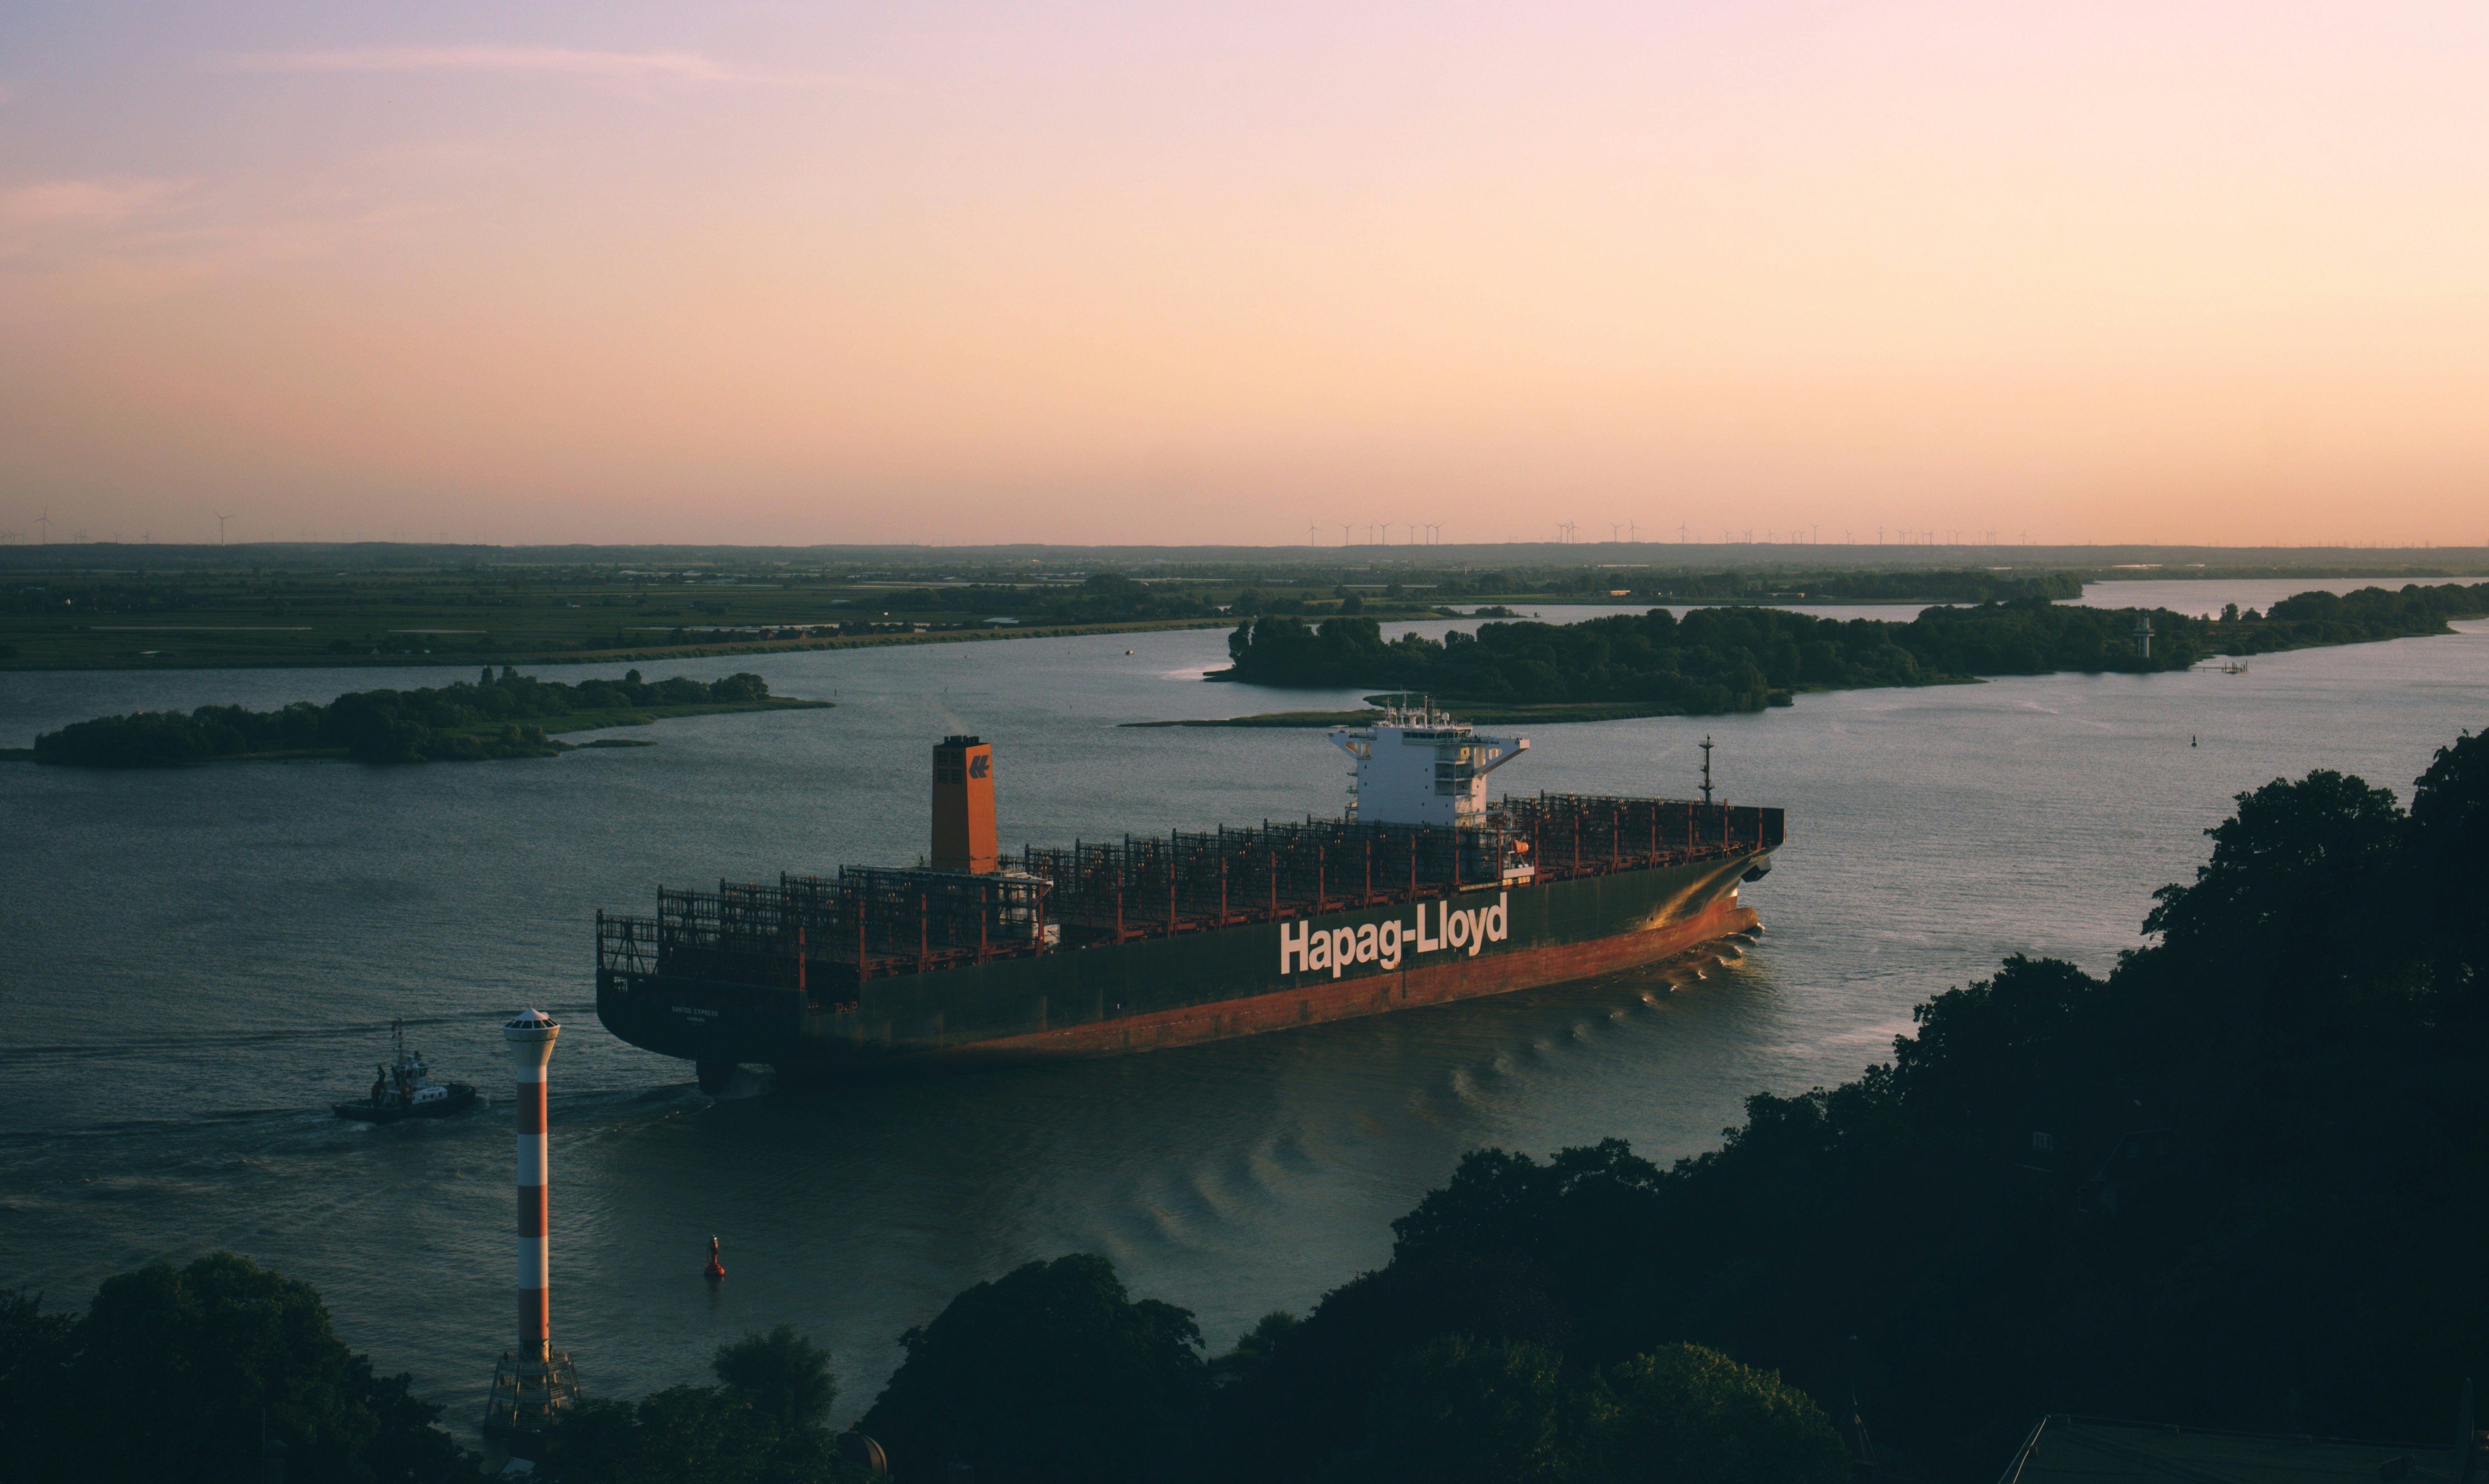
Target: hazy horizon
pixel 1102 273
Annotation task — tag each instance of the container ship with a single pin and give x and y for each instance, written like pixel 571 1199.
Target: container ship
pixel 1422 892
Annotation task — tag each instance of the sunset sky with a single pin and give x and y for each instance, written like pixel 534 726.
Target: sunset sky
pixel 1159 273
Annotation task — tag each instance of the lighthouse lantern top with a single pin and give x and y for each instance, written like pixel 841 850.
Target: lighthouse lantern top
pixel 530 1036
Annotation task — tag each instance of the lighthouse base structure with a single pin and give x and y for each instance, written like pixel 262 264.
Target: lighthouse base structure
pixel 530 1394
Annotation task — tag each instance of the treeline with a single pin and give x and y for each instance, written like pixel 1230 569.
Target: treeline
pixel 2237 1183
pixel 489 717
pixel 1715 660
pixel 179 1373
pixel 1053 1374
pixel 1975 585
pixel 1106 597
pixel 191 1373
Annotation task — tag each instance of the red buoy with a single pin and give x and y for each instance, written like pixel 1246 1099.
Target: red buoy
pixel 715 1268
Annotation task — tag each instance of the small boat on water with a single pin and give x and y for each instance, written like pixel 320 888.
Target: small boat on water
pixel 406 1090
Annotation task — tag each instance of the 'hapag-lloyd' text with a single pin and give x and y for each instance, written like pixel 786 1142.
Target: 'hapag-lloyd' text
pixel 1304 947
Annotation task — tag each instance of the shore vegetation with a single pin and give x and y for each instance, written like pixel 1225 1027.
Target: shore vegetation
pixel 1716 660
pixel 509 715
pixel 185 1373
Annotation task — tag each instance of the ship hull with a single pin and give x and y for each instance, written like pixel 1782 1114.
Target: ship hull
pixel 1156 993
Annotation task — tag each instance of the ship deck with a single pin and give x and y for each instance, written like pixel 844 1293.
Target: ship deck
pixel 826 938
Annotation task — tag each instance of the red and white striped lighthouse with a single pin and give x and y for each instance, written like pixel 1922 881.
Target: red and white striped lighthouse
pixel 530 1037
pixel 534 1382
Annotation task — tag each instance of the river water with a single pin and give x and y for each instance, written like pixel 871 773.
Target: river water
pixel 197 963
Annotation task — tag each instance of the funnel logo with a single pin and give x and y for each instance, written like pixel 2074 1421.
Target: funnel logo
pixel 979 766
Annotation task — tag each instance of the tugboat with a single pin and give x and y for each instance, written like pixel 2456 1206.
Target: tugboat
pixel 407 1090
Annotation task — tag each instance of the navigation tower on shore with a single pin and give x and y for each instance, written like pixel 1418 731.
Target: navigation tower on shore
pixel 534 1382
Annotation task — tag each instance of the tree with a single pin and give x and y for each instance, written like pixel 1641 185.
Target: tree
pixel 764 1425
pixel 1253 1348
pixel 1049 1372
pixel 1460 1411
pixel 2263 940
pixel 1684 1412
pixel 1311 1398
pixel 1980 1051
pixel 785 1377
pixel 2450 867
pixel 174 1371
pixel 33 1347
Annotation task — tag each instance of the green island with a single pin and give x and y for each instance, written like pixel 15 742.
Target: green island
pixel 509 715
pixel 2237 1183
pixel 1720 660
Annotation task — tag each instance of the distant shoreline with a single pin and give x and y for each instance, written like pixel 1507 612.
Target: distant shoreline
pixel 632 656
pixel 492 718
pixel 552 726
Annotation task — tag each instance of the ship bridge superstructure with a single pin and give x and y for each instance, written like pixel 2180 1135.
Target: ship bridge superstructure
pixel 1418 766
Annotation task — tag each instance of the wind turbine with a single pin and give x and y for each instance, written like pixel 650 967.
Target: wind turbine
pixel 1312 535
pixel 1635 531
pixel 220 527
pixel 1614 531
pixel 44 519
pixel 1681 537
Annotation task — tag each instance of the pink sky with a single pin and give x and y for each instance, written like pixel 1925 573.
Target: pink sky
pixel 1096 271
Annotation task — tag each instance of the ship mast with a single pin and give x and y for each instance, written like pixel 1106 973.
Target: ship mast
pixel 1706 771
